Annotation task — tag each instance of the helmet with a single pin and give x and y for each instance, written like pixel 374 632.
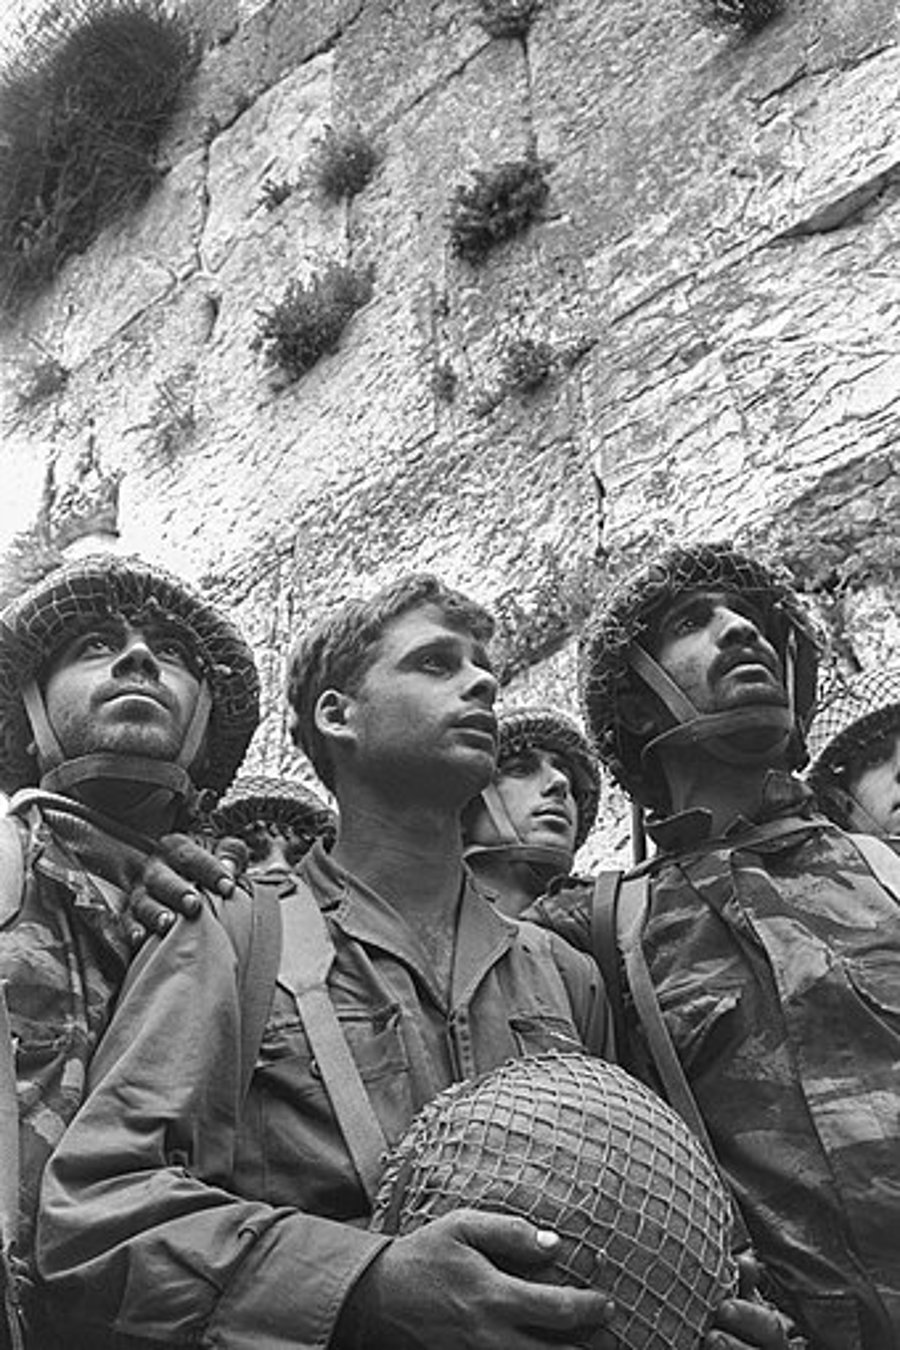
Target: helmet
pixel 578 1146
pixel 35 625
pixel 852 714
pixel 279 801
pixel 545 728
pixel 614 643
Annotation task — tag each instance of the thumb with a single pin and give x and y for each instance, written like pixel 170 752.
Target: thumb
pixel 507 1239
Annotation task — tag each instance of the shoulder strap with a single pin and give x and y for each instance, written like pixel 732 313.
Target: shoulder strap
pixel 882 861
pixel 10 1331
pixel 306 959
pixel 12 868
pixel 634 899
pixel 259 976
pixel 604 947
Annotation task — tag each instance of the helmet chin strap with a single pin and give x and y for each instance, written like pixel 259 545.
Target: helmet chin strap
pixel 162 778
pixel 512 848
pixel 772 725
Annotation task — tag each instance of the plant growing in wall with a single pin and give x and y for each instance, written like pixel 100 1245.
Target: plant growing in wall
pixel 498 204
pixel 527 364
pixel 344 162
pixel 308 320
pixel 83 107
pixel 508 18
pixel 750 16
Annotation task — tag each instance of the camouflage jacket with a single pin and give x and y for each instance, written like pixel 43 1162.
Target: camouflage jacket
pixel 63 956
pixel 777 969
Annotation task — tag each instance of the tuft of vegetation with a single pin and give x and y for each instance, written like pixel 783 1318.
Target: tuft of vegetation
pixel 275 191
pixel 445 382
pixel 344 162
pixel 508 18
pixel 48 378
pixel 527 364
pixel 750 16
pixel 308 320
pixel 497 205
pixel 83 106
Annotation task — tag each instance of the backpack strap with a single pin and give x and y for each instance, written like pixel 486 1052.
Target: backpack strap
pixel 10 1319
pixel 604 946
pixel 306 959
pixel 633 905
pixel 259 975
pixel 881 860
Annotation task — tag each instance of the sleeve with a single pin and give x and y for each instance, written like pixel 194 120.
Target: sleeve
pixel 565 911
pixel 139 1235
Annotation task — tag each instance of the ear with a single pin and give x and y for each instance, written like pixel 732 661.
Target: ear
pixel 332 715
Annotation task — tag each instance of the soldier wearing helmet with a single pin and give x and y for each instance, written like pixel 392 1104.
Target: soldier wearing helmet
pixel 397 979
pixel 854 745
pixel 770 939
pixel 277 819
pixel 526 825
pixel 124 696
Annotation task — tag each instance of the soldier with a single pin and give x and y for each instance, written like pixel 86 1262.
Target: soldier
pixel 524 829
pixel 123 697
pixel 278 820
pixel 771 945
pixel 854 745
pixel 184 1206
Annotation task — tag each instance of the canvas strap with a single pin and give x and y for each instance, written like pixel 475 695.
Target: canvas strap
pixel 306 959
pixel 633 903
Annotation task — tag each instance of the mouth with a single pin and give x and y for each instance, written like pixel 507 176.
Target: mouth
pixel 558 815
pixel 138 691
pixel 482 723
pixel 748 661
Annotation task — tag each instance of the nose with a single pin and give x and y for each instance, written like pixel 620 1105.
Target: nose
pixel 556 782
pixel 136 657
pixel 735 628
pixel 482 685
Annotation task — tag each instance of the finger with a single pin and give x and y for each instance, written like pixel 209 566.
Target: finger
pixel 167 889
pixel 234 855
pixel 148 914
pixel 561 1308
pixel 504 1237
pixel 195 863
pixel 739 1322
pixel 750 1273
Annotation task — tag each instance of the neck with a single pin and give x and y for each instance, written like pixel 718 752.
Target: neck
pixel 515 884
pixel 152 813
pixel 699 781
pixel 409 854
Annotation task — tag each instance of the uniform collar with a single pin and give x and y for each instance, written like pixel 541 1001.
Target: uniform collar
pixel 782 794
pixel 482 934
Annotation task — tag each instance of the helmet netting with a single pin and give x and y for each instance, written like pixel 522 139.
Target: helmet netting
pixel 278 801
pixel 630 614
pixel 578 1146
pixel 852 713
pixel 553 730
pixel 35 625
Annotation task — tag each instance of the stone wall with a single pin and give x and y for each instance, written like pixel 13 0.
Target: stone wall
pixel 714 285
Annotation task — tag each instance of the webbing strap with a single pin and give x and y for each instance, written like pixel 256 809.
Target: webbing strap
pixel 633 902
pixel 306 958
pixel 604 946
pixel 10 1325
pixel 260 973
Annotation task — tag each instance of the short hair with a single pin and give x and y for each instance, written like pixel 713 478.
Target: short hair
pixel 339 650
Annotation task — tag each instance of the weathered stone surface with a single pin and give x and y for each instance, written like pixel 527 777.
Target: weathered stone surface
pixel 714 277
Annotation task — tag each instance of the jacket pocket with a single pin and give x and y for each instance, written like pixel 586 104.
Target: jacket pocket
pixel 874 979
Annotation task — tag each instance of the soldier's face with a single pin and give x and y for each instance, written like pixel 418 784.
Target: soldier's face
pixel 122 689
pixel 712 645
pixel 536 788
pixel 874 784
pixel 422 720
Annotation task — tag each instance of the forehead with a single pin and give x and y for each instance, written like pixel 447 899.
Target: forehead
pixel 419 626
